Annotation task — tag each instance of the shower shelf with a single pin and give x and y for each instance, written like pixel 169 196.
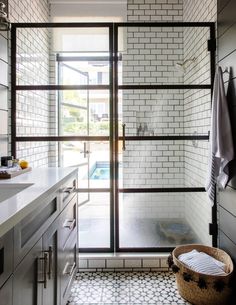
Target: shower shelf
pixel 164 190
pixel 167 138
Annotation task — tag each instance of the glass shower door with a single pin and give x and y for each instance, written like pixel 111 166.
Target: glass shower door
pixel 74 120
pixel 89 66
pixel 158 140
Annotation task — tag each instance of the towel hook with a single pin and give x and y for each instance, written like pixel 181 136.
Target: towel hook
pixel 226 70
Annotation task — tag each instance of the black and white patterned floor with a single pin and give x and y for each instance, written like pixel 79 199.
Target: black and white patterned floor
pixel 125 288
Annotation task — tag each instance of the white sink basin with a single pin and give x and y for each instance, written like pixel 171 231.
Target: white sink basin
pixel 9 190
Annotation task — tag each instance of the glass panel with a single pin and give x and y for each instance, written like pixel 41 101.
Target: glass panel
pixel 33 56
pixel 85 113
pixel 36 113
pixel 93 159
pixel 93 71
pixel 37 59
pixel 164 112
pixel 65 113
pixel 94 222
pixel 99 165
pixel 73 153
pixel 74 121
pixel 155 55
pixel 157 164
pixel 163 219
pixel 38 154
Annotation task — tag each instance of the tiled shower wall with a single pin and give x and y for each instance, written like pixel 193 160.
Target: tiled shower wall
pixel 33 112
pixel 197 105
pixel 149 57
pixel 3 94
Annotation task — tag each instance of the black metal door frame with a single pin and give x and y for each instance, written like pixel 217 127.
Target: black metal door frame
pixel 60 63
pixel 114 137
pixel 117 87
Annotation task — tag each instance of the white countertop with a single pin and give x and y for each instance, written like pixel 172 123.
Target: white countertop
pixel 44 181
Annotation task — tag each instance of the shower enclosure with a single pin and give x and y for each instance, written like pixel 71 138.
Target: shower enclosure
pixel 110 99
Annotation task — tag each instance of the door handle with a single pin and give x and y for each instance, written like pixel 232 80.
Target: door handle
pixel 45 268
pixel 70 271
pixel 69 189
pixel 50 252
pixel 85 151
pixel 123 131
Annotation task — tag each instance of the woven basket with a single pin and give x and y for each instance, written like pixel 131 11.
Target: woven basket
pixel 215 290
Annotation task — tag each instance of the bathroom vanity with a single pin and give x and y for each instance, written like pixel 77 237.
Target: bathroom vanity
pixel 38 237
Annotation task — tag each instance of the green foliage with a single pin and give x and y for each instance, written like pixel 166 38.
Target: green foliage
pixel 80 128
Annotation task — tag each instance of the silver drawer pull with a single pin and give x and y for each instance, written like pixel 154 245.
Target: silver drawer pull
pixel 70 267
pixel 69 223
pixel 69 190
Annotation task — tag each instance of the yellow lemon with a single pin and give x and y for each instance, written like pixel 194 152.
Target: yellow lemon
pixel 24 164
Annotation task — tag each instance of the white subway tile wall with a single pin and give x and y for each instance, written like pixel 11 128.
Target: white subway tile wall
pixel 114 263
pixel 3 94
pixel 197 105
pixel 133 263
pixel 33 108
pixel 155 262
pixel 150 57
pixel 96 263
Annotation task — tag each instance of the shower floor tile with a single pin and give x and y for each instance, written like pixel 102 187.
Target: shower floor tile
pixel 125 288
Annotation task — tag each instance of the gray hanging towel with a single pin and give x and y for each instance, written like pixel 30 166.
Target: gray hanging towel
pixel 221 142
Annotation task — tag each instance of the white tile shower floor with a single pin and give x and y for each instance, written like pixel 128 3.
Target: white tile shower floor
pixel 125 288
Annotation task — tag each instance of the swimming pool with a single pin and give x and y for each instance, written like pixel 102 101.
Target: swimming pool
pixel 101 171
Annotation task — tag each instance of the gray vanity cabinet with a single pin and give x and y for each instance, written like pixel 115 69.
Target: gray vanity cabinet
pixel 38 265
pixel 67 247
pixel 6 256
pixel 28 278
pixel 6 293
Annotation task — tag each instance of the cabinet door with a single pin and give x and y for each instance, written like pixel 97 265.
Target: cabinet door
pixel 6 256
pixel 68 267
pixel 50 242
pixel 26 287
pixel 6 293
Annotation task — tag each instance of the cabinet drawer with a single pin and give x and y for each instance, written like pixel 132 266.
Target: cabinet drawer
pixel 31 228
pixel 6 293
pixel 227 199
pixel 227 224
pixel 68 222
pixel 68 269
pixel 67 191
pixel 6 256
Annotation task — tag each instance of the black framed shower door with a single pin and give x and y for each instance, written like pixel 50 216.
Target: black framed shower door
pixel 117 139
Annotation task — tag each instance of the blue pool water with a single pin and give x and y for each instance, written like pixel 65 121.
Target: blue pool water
pixel 100 173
